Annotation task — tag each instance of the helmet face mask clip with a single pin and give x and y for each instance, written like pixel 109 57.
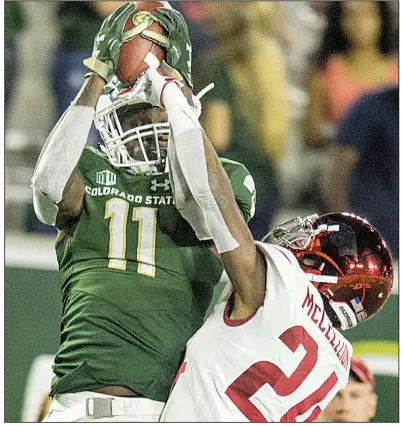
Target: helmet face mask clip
pixel 295 234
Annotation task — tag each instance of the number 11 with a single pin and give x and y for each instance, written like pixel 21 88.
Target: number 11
pixel 117 210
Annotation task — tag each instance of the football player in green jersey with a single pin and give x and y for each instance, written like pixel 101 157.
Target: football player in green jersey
pixel 136 281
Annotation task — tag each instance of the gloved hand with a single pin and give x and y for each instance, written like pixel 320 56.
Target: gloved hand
pixel 156 85
pixel 177 42
pixel 164 91
pixel 106 51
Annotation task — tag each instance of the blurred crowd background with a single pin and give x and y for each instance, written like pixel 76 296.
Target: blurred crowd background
pixel 306 96
pixel 289 78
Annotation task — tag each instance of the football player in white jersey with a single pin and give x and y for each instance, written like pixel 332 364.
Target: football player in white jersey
pixel 272 351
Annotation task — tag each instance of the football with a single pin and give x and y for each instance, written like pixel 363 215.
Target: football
pixel 134 51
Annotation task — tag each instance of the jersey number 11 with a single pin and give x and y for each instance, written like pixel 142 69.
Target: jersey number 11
pixel 117 211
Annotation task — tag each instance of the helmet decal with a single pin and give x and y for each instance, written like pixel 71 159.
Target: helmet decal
pixel 359 309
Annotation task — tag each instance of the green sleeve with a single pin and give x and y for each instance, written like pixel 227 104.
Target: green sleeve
pixel 243 186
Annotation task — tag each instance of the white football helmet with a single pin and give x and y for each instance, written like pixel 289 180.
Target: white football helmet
pixel 148 138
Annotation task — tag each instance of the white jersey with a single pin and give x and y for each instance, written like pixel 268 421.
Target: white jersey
pixel 283 364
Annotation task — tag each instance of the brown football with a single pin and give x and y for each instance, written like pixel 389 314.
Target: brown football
pixel 133 52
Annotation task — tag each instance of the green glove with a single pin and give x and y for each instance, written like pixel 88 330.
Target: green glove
pixel 105 55
pixel 177 43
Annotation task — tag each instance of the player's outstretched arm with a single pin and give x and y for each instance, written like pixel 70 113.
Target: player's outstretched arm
pixel 58 191
pixel 244 265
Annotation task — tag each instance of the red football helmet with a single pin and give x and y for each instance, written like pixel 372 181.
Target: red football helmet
pixel 346 259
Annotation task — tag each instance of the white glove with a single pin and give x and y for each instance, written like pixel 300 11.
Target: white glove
pixel 165 91
pixel 156 87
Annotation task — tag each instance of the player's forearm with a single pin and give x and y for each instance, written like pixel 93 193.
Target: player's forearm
pixel 189 154
pixel 222 191
pixel 90 91
pixel 61 153
pixel 220 185
pixel 208 183
pixel 244 265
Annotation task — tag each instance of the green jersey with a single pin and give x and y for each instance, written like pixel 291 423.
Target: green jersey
pixel 136 282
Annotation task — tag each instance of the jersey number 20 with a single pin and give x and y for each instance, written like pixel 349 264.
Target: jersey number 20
pixel 265 372
pixel 117 211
